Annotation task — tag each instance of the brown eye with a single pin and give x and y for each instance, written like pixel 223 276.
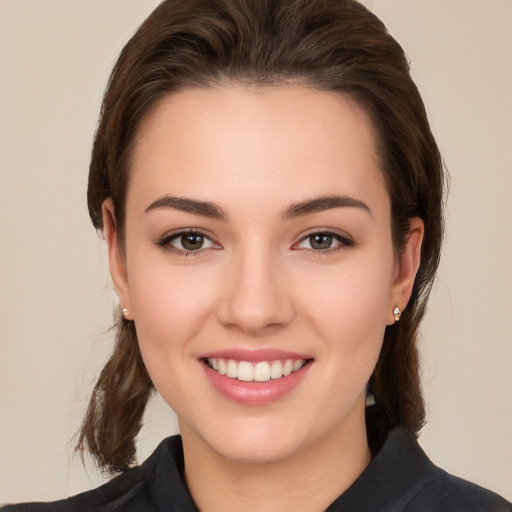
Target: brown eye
pixel 187 242
pixel 192 241
pixel 320 241
pixel 324 241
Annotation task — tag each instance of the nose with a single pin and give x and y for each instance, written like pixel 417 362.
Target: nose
pixel 255 297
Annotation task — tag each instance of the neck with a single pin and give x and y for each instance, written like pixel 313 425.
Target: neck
pixel 310 479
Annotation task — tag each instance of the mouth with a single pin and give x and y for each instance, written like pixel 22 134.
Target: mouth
pixel 258 371
pixel 255 377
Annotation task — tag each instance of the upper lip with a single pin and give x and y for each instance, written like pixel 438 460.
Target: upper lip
pixel 254 356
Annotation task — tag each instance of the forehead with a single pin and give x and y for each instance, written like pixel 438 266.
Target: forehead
pixel 273 143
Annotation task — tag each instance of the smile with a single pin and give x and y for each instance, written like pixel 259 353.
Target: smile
pixel 261 371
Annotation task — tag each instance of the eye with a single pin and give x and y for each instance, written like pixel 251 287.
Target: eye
pixel 324 241
pixel 187 242
pixel 190 241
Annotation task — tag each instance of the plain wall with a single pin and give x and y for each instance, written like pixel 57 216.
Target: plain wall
pixel 56 300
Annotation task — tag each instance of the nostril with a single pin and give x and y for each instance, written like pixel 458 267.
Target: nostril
pixel 253 319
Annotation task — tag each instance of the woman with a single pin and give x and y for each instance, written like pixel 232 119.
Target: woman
pixel 271 195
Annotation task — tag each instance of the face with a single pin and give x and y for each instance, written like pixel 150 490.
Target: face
pixel 258 265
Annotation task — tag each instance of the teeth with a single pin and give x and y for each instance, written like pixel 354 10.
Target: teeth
pixel 276 370
pixel 232 369
pixel 245 371
pixel 288 367
pixel 297 365
pixel 259 372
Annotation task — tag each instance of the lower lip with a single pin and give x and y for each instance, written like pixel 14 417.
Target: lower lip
pixel 255 393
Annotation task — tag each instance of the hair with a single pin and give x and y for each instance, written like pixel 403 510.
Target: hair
pixel 328 45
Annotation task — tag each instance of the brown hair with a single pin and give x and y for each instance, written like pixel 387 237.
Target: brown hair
pixel 331 45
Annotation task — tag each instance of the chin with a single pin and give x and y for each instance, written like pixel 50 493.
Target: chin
pixel 255 451
pixel 257 442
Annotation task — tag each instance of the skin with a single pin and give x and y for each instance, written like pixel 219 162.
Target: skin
pixel 258 282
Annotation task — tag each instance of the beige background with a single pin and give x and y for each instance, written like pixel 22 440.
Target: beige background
pixel 56 300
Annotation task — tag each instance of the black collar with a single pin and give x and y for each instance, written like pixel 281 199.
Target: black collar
pixel 399 470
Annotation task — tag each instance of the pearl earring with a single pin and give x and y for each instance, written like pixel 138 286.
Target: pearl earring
pixel 124 312
pixel 397 313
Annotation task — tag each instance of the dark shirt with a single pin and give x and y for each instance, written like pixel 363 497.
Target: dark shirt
pixel 400 478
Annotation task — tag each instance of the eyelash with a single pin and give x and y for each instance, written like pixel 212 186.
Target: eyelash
pixel 344 242
pixel 165 243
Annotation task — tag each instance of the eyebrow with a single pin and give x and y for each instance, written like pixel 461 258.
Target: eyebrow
pixel 212 210
pixel 204 208
pixel 320 204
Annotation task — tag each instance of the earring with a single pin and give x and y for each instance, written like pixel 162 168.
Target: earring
pixel 124 312
pixel 397 313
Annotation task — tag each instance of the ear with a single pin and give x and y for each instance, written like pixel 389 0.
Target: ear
pixel 115 257
pixel 406 268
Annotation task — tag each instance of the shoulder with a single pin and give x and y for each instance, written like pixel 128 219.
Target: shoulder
pixel 401 478
pixel 138 489
pixel 128 486
pixel 447 493
pixel 435 489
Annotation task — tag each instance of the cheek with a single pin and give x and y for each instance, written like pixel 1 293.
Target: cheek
pixel 169 306
pixel 348 307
